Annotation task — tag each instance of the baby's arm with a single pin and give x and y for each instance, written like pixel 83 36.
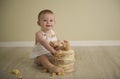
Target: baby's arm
pixel 43 42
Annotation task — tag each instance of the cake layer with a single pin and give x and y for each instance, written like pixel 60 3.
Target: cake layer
pixel 70 57
pixel 63 62
pixel 64 54
pixel 68 67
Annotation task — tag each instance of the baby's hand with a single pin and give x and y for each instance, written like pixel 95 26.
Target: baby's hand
pixel 55 45
pixel 57 48
pixel 53 52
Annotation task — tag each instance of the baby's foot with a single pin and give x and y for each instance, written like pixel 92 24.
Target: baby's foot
pixel 55 69
pixel 37 63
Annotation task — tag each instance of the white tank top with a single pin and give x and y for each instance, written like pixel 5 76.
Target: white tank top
pixel 48 39
pixel 40 49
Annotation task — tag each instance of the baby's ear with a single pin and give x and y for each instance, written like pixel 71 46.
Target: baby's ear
pixel 38 23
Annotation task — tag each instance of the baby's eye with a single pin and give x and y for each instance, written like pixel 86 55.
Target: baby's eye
pixel 44 20
pixel 51 20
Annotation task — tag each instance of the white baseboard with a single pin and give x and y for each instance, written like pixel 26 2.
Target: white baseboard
pixel 73 43
pixel 95 43
pixel 17 44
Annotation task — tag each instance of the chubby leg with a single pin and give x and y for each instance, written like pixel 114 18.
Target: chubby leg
pixel 44 61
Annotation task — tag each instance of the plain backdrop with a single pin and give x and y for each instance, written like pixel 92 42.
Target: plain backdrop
pixel 75 19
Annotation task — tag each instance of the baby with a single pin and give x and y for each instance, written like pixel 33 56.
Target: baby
pixel 42 50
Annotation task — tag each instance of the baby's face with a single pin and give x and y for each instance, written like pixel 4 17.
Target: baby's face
pixel 47 21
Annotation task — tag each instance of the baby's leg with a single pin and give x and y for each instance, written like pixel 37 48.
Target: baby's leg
pixel 44 61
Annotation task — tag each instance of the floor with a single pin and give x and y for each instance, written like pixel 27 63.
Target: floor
pixel 91 63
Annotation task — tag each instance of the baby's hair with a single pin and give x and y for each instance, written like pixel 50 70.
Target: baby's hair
pixel 46 11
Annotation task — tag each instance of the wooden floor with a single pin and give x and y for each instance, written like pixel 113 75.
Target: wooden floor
pixel 91 63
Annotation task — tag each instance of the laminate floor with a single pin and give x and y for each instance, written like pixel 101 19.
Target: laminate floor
pixel 91 63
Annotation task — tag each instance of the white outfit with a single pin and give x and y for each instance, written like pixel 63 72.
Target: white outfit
pixel 39 49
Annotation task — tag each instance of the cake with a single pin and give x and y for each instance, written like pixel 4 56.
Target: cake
pixel 64 57
pixel 64 60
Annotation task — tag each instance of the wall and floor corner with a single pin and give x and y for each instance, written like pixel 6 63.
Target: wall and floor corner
pixel 84 23
pixel 73 43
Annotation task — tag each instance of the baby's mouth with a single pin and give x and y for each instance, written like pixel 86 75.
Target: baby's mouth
pixel 48 25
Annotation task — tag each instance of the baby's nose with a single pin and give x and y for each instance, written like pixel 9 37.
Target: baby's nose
pixel 48 22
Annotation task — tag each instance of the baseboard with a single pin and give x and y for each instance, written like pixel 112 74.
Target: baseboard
pixel 17 44
pixel 96 43
pixel 73 43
